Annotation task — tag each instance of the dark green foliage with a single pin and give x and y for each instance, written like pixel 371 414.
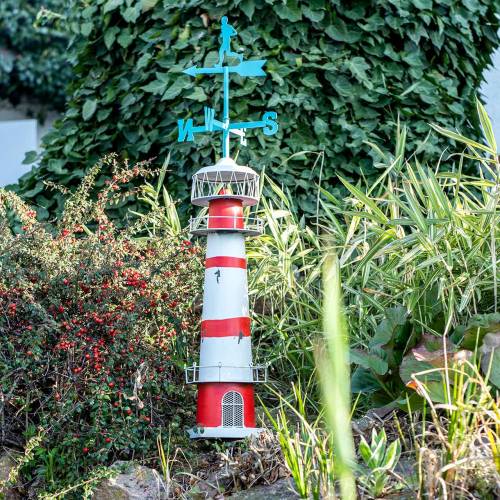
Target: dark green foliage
pixel 33 59
pixel 340 73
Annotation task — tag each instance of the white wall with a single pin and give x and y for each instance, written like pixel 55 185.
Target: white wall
pixel 491 94
pixel 16 137
pixel 19 133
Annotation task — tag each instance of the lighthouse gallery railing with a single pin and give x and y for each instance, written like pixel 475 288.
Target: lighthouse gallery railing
pixel 192 373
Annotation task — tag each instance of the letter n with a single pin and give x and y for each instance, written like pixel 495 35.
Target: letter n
pixel 185 130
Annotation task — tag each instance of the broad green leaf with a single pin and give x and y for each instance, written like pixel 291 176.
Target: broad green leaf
pixel 89 108
pixel 369 360
pixel 290 11
pixel 86 28
pixel 125 38
pixel 131 14
pixel 148 4
pixel 155 87
pixel 341 32
pixel 30 157
pixel 112 5
pixel 490 357
pixel 197 95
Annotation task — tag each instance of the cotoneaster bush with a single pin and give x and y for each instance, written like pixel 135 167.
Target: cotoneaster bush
pixel 94 327
pixel 339 74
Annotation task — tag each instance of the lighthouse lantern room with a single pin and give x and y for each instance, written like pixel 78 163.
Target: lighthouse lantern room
pixel 225 374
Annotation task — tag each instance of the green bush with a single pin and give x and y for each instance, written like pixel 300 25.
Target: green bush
pixel 340 73
pixel 94 327
pixel 33 60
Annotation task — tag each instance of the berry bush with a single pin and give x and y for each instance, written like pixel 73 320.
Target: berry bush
pixel 95 325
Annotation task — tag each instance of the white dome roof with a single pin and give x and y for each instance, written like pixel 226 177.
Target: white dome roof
pixel 226 169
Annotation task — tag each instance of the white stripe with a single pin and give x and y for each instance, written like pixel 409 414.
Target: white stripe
pixel 226 359
pixel 225 293
pixel 227 351
pixel 225 245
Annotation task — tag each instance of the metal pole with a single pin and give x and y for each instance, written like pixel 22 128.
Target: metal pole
pixel 225 139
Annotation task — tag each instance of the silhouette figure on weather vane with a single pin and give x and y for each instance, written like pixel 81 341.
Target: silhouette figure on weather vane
pixel 227 31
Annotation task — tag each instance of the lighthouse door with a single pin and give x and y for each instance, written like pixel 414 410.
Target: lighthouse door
pixel 232 409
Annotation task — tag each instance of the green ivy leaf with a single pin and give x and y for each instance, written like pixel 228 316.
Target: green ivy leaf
pixel 112 5
pixel 340 32
pixel 89 108
pixel 314 15
pixel 110 36
pixel 125 38
pixel 86 28
pixel 359 67
pixel 176 88
pixel 155 87
pixel 422 4
pixel 30 157
pixel 148 4
pixel 131 14
pixel 248 7
pixel 197 95
pixel 289 11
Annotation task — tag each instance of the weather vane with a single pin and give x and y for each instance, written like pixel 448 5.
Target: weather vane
pixel 268 123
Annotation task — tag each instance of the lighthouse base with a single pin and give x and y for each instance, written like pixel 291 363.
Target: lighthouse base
pixel 223 432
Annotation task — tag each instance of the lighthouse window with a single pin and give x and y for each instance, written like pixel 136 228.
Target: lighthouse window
pixel 232 409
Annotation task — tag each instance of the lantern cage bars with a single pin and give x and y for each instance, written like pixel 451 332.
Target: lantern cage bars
pixel 226 180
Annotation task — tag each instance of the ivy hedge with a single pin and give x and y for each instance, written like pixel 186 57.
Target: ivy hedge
pixel 33 58
pixel 339 75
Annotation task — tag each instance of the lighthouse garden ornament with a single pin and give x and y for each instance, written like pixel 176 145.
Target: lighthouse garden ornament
pixel 226 374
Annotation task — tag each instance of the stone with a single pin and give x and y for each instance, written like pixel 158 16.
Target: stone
pixel 280 490
pixel 7 463
pixel 133 482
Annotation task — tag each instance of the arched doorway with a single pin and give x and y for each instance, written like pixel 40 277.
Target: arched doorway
pixel 232 409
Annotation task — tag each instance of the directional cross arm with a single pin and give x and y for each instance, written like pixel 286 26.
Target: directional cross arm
pixel 268 124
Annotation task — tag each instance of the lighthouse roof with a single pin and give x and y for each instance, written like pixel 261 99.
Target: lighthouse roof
pixel 226 170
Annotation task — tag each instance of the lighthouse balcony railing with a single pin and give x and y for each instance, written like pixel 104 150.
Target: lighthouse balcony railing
pixel 251 226
pixel 219 373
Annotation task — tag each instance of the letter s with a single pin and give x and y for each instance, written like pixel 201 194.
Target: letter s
pixel 271 126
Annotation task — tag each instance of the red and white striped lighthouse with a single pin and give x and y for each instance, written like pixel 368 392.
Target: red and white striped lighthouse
pixel 225 374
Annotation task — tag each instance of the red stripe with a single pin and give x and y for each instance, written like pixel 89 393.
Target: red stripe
pixel 209 407
pixel 226 262
pixel 231 327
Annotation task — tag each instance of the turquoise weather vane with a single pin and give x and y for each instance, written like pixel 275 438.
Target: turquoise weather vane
pixel 268 123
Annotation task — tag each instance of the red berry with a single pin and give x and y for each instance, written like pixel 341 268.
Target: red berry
pixel 108 440
pixel 128 411
pixel 85 450
pixel 111 385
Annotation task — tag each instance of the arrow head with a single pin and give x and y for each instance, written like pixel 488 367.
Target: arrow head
pixel 191 71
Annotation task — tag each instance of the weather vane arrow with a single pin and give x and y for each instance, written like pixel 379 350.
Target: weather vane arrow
pixel 268 124
pixel 245 68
